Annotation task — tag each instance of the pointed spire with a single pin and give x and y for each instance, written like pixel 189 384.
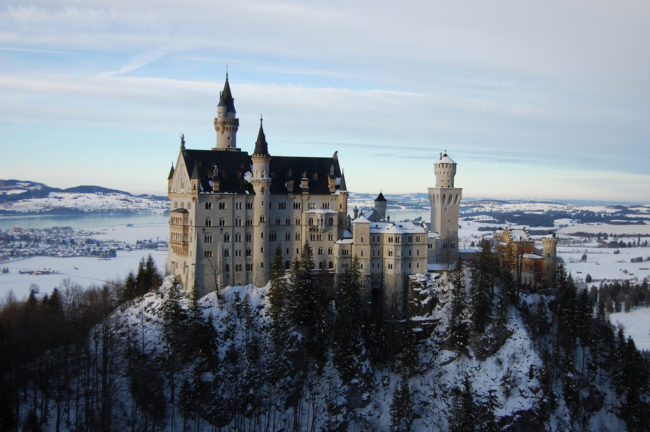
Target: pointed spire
pixel 226 99
pixel 195 172
pixel 380 197
pixel 171 172
pixel 182 141
pixel 261 146
pixel 343 186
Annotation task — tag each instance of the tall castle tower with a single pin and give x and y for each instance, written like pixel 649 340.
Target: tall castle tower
pixel 226 124
pixel 549 252
pixel 445 199
pixel 261 182
pixel 380 205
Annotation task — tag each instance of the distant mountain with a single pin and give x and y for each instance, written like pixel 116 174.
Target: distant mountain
pixel 28 197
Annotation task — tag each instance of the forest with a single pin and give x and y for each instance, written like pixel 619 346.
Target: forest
pixel 476 352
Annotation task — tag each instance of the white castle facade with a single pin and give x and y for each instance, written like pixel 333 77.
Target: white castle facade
pixel 231 211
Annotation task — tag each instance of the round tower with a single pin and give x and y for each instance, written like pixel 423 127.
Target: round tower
pixel 226 123
pixel 445 200
pixel 381 204
pixel 445 170
pixel 261 182
pixel 549 252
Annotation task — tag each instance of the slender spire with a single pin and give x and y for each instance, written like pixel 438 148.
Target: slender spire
pixel 261 146
pixel 182 141
pixel 226 99
pixel 171 172
pixel 343 186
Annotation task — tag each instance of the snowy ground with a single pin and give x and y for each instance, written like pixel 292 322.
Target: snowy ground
pixel 636 324
pixel 85 271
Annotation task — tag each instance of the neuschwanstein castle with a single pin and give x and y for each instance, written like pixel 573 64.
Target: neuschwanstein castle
pixel 230 211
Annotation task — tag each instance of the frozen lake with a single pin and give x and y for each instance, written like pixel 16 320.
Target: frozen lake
pixel 82 221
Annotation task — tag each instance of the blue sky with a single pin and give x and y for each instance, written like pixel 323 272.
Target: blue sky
pixel 539 99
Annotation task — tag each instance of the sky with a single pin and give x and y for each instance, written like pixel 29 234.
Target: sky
pixel 534 100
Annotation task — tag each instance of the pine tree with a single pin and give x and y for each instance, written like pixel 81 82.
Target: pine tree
pixel 347 323
pixel 464 410
pixel 458 326
pixel 483 268
pixel 401 409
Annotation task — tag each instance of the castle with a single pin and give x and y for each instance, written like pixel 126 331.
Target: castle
pixel 231 211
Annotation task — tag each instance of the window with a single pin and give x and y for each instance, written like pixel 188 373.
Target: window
pixel 329 251
pixel 298 221
pixel 287 221
pixel 297 236
pixel 277 221
pixel 320 251
pixel 282 205
pixel 287 236
pixel 249 206
pixel 237 237
pixel 249 222
pixel 226 252
pixel 390 266
pixel 330 221
pixel 296 205
pixel 248 252
pixel 207 253
pixel 273 236
pixel 222 205
pixel 221 222
pixel 390 253
pixel 208 205
pixel 208 238
pixel 227 267
pixel 237 267
pixel 249 267
pixel 238 252
pixel 226 237
pixel 208 222
pixel 237 205
pixel 238 221
pixel 330 236
pixel 248 237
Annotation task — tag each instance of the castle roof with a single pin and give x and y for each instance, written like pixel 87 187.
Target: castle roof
pixel 361 219
pixel 233 166
pixel 380 197
pixel 226 99
pixel 395 228
pixel 261 146
pixel 171 173
pixel 445 159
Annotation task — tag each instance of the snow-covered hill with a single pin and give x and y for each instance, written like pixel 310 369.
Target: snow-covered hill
pixel 161 362
pixel 24 197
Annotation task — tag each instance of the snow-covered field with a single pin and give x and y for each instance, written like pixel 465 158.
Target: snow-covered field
pixel 636 324
pixel 85 271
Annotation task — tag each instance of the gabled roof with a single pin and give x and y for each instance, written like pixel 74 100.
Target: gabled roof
pixel 380 197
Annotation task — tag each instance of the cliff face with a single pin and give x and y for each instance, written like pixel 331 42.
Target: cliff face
pixel 165 362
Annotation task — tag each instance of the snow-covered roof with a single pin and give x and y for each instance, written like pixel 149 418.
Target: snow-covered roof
pixel 361 219
pixel 344 241
pixel 519 234
pixel 395 228
pixel 532 256
pixel 321 211
pixel 433 234
pixel 445 159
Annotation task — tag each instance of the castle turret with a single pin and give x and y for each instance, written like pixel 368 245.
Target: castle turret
pixel 445 200
pixel 226 123
pixel 549 252
pixel 261 182
pixel 381 204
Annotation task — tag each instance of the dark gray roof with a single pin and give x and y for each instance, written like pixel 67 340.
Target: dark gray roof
pixel 380 197
pixel 261 146
pixel 234 164
pixel 226 99
pixel 171 172
pixel 195 173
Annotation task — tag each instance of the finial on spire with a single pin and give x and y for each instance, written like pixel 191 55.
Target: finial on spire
pixel 226 71
pixel 261 119
pixel 182 141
